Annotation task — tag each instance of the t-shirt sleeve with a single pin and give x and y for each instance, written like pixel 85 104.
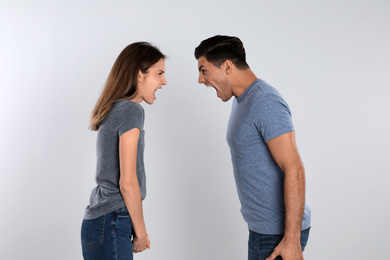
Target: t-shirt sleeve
pixel 130 116
pixel 272 116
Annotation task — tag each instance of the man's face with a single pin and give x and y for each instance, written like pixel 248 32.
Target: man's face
pixel 215 77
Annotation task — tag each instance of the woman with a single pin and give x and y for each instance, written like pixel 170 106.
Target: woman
pixel 113 225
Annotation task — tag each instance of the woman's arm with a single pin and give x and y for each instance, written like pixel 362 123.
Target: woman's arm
pixel 129 187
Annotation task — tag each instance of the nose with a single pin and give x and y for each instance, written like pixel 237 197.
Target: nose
pixel 201 79
pixel 164 80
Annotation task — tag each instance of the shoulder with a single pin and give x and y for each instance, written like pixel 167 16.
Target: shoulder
pixel 127 107
pixel 125 111
pixel 268 103
pixel 266 95
pixel 262 90
pixel 125 104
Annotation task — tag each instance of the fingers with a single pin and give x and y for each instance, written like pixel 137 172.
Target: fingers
pixel 147 242
pixel 272 256
pixel 140 245
pixel 139 250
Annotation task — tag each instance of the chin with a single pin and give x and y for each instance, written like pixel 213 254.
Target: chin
pixel 149 102
pixel 225 99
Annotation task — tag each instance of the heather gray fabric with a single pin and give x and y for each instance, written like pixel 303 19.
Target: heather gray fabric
pixel 259 115
pixel 123 116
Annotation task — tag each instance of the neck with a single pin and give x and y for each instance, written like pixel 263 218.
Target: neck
pixel 135 98
pixel 242 81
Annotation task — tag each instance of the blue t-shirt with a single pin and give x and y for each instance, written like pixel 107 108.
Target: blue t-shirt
pixel 123 116
pixel 259 115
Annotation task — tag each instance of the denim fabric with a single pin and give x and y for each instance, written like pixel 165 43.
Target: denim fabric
pixel 108 237
pixel 261 246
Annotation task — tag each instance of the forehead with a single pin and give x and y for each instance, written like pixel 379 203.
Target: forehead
pixel 159 64
pixel 203 63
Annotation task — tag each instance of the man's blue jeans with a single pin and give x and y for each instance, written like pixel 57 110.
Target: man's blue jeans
pixel 108 237
pixel 261 246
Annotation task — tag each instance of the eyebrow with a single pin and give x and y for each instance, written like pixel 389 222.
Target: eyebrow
pixel 201 67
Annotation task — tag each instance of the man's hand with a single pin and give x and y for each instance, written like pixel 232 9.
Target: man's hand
pixel 288 250
pixel 140 244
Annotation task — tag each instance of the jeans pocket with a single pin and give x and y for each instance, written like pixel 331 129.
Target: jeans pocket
pixel 122 211
pixel 92 232
pixel 123 224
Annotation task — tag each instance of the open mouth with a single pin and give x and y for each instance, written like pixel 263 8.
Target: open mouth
pixel 211 86
pixel 155 93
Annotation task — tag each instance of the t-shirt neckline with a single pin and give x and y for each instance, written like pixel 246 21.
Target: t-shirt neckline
pixel 247 90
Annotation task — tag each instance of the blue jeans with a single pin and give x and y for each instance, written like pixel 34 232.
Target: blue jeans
pixel 261 246
pixel 108 237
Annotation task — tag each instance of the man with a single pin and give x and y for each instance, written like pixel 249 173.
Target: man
pixel 268 171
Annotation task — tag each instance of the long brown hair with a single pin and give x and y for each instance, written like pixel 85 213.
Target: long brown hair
pixel 122 81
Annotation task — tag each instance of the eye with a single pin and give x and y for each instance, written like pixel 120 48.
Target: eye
pixel 203 72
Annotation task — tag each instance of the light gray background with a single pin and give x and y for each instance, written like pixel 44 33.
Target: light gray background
pixel 329 59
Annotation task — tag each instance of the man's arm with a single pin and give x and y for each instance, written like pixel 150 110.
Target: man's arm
pixel 284 151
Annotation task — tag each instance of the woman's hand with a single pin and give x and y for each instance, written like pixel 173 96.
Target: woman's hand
pixel 140 243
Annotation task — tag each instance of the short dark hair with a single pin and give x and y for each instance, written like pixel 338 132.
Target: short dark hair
pixel 219 48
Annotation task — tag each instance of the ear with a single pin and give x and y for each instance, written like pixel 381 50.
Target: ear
pixel 141 76
pixel 227 67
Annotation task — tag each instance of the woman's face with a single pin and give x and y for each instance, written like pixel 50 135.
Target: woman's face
pixel 150 82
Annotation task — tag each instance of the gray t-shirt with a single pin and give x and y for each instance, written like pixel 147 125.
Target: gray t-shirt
pixel 123 116
pixel 259 115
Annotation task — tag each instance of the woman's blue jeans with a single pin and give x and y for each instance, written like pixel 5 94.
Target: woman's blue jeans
pixel 108 237
pixel 261 246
